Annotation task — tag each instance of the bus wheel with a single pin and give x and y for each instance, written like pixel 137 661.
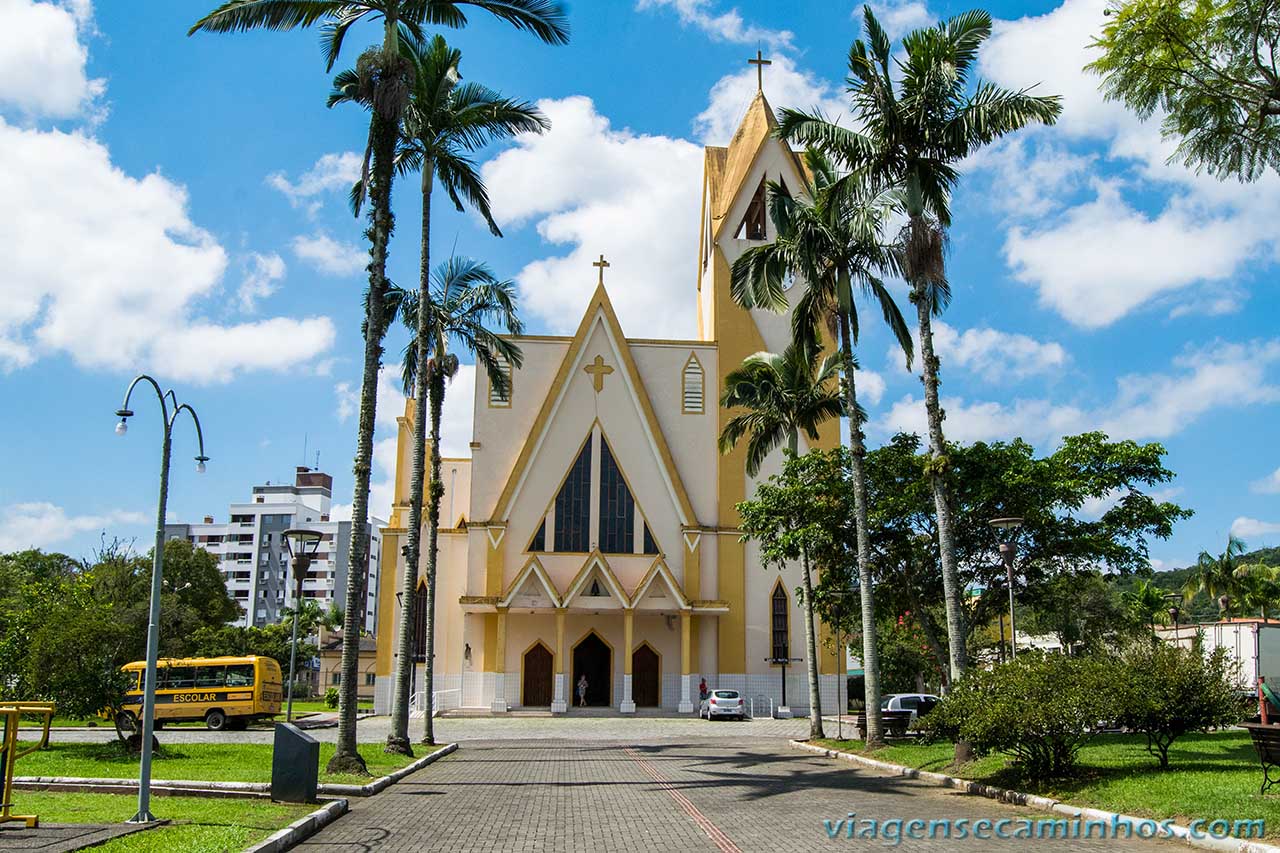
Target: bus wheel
pixel 215 720
pixel 126 721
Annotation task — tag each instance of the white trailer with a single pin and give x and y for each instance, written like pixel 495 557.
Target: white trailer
pixel 1253 644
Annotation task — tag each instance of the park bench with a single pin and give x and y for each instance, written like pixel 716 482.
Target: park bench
pixel 1266 742
pixel 895 722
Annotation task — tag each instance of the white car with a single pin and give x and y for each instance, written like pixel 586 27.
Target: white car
pixel 722 703
pixel 916 703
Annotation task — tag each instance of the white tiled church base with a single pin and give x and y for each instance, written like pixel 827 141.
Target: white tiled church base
pixel 476 690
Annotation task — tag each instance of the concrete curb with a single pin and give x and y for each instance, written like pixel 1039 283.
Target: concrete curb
pixel 380 784
pixel 184 787
pixel 1004 795
pixel 302 829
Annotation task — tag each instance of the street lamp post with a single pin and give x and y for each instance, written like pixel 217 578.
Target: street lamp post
pixel 168 417
pixel 1173 598
pixel 1008 550
pixel 302 545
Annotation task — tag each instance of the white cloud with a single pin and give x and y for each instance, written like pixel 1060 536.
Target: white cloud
pixel 785 85
pixel 348 400
pixel 1156 236
pixel 599 190
pixel 899 17
pixel 40 524
pixel 726 26
pixel 260 279
pixel 1244 527
pixel 110 270
pixel 330 256
pixel 994 355
pixel 1146 406
pixel 870 387
pixel 42 59
pixel 1268 485
pixel 332 172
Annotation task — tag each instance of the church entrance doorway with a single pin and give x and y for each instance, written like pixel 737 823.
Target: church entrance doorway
pixel 593 658
pixel 646 676
pixel 537 677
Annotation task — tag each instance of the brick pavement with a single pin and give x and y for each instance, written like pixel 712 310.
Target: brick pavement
pixel 743 795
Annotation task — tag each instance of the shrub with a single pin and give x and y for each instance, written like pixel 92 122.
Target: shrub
pixel 1170 691
pixel 1038 709
pixel 331 697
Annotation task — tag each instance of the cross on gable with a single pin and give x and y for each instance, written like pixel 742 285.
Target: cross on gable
pixel 598 370
pixel 601 264
pixel 759 62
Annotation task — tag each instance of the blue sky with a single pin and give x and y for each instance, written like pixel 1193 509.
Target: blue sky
pixel 176 205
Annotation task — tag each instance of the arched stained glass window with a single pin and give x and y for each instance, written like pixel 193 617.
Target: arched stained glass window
pixel 573 506
pixel 617 507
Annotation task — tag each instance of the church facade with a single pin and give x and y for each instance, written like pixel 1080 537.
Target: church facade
pixel 590 542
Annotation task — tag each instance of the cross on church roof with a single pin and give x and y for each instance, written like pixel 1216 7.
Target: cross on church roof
pixel 759 62
pixel 601 264
pixel 598 370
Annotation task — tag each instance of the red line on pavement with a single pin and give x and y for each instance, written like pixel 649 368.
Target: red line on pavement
pixel 717 836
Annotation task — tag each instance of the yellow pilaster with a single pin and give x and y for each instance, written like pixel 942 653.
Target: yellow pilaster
pixel 500 642
pixel 693 563
pixel 686 657
pixel 490 641
pixel 829 655
pixel 627 622
pixel 389 577
pixel 493 560
pixel 559 651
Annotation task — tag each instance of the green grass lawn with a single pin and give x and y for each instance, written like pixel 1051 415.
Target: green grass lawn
pixel 200 825
pixel 1210 776
pixel 210 762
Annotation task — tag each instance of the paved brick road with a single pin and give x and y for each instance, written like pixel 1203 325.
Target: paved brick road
pixel 726 795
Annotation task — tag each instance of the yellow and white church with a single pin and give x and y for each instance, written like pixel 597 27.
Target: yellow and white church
pixel 592 534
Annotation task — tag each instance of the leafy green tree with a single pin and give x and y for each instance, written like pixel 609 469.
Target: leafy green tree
pixel 1170 691
pixel 784 395
pixel 1209 69
pixel 273 641
pixel 1145 604
pixel 1259 589
pixel 1008 479
pixel 1080 609
pixel 446 121
pixel 1038 709
pixel 917 117
pixel 829 239
pixel 381 83
pixel 1217 576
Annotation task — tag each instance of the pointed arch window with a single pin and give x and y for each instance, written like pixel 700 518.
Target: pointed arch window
pixel 753 223
pixel 573 506
pixel 650 544
pixel 617 507
pixel 539 542
pixel 692 387
pixel 781 644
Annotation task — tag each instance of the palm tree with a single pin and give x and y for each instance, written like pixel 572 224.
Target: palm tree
pixel 1145 604
pixel 1217 576
pixel 1258 587
pixel 383 83
pixel 466 301
pixel 830 242
pixel 445 122
pixel 784 395
pixel 912 135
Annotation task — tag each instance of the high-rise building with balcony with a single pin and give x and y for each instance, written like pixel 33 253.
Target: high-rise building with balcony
pixel 252 555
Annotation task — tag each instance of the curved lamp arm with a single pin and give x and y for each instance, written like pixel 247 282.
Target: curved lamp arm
pixel 124 412
pixel 201 459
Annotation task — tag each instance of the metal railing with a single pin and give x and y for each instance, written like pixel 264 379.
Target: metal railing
pixel 417 703
pixel 765 702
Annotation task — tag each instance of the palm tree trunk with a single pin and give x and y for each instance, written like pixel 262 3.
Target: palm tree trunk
pixel 866 595
pixel 346 757
pixel 398 739
pixel 811 646
pixel 433 534
pixel 956 631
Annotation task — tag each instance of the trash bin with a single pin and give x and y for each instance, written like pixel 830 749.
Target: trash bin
pixel 295 765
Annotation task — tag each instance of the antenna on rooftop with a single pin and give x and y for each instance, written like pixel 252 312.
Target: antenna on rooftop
pixel 317 460
pixel 304 450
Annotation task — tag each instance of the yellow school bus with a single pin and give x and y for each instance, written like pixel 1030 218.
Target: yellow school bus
pixel 225 692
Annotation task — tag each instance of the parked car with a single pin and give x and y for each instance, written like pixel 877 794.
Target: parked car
pixel 722 703
pixel 918 704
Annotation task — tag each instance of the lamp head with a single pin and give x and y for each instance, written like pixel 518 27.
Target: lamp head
pixel 200 460
pixel 123 415
pixel 302 542
pixel 1012 523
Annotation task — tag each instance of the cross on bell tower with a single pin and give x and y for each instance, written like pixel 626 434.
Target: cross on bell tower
pixel 600 265
pixel 759 62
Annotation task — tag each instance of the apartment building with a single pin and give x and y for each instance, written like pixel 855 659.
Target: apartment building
pixel 252 554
